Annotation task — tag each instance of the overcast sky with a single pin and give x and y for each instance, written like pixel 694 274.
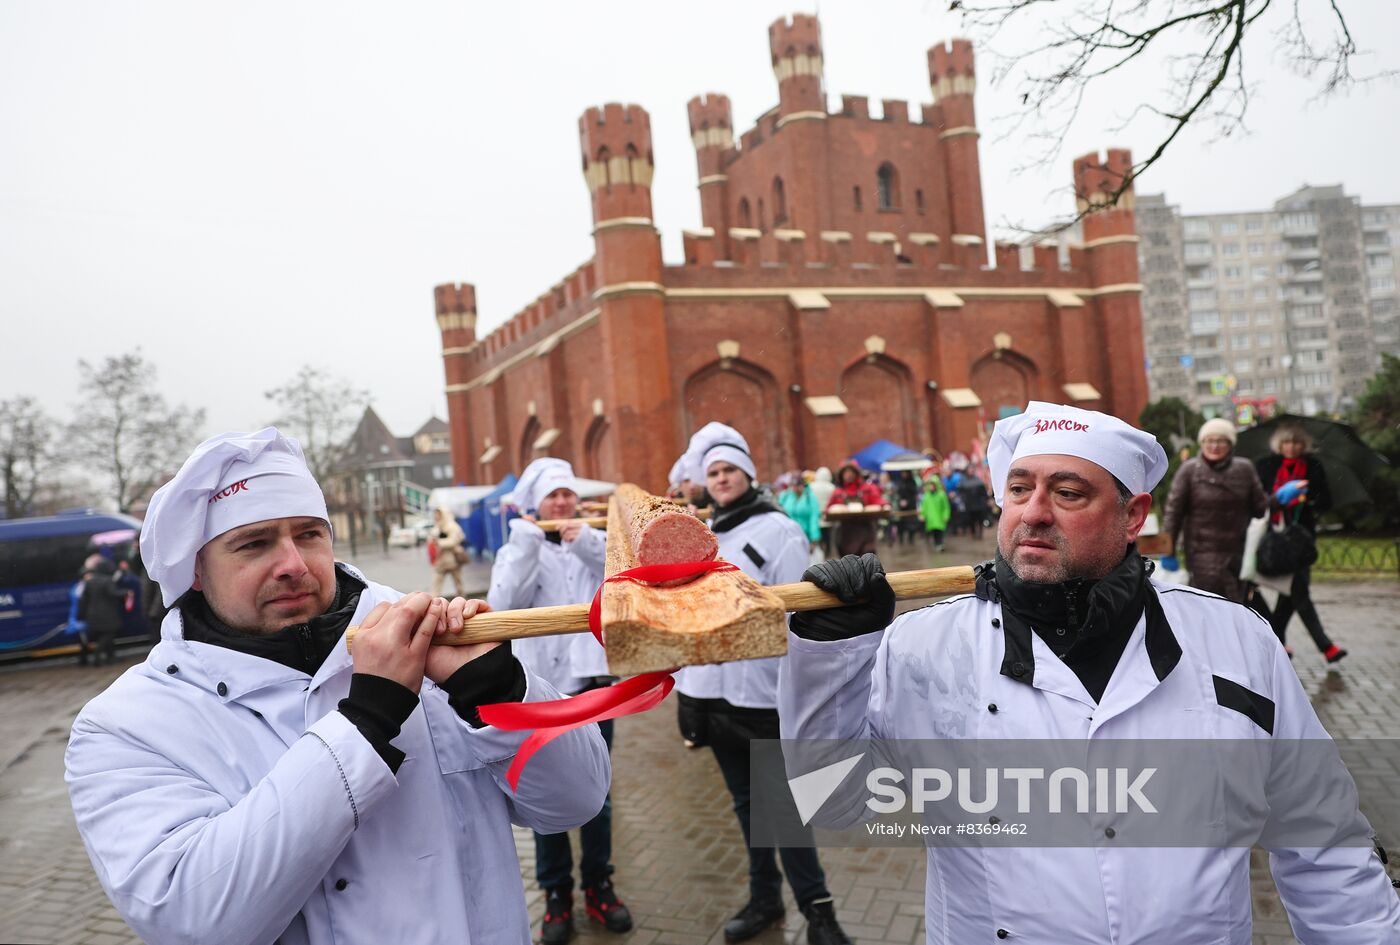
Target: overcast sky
pixel 240 189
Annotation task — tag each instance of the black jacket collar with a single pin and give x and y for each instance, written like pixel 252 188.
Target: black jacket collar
pixel 757 501
pixel 1100 615
pixel 302 647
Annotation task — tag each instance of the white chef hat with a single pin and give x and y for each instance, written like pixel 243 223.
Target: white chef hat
pixel 1131 456
pixel 678 473
pixel 539 479
pixel 230 480
pixel 716 442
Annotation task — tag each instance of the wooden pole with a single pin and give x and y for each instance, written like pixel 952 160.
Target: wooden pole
pixel 554 524
pixel 573 618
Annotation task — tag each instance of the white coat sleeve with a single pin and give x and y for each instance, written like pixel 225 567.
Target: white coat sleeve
pixel 563 785
pixel 183 863
pixel 828 696
pixel 590 548
pixel 516 573
pixel 792 557
pixel 1335 894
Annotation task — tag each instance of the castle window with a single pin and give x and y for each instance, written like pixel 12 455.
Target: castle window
pixel 602 161
pixel 628 164
pixel 780 203
pixel 919 200
pixel 888 179
pixel 855 191
pixel 745 217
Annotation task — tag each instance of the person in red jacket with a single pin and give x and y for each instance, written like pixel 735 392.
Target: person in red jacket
pixel 855 537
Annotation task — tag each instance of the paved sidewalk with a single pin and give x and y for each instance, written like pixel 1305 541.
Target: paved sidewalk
pixel 680 861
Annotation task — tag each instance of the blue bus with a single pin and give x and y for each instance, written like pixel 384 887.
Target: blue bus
pixel 41 563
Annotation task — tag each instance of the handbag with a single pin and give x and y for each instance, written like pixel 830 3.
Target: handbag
pixel 1285 550
pixel 1254 534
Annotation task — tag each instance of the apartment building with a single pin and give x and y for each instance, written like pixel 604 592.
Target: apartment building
pixel 1288 308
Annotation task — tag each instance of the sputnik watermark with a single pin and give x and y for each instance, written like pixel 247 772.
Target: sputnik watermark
pixel 1114 790
pixel 1065 792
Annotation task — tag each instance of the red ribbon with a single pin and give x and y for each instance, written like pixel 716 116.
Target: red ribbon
pixel 554 717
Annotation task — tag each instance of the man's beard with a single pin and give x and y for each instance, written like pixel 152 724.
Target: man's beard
pixel 1052 572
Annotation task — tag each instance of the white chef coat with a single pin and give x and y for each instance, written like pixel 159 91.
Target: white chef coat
pixel 935 673
pixel 772 549
pixel 223 799
pixel 531 571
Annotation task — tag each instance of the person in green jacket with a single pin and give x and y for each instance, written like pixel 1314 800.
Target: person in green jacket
pixel 935 510
pixel 801 506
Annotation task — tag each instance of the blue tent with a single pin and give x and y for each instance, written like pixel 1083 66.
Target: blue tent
pixel 484 527
pixel 876 453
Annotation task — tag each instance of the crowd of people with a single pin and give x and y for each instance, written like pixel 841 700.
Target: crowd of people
pixel 257 778
pixel 856 509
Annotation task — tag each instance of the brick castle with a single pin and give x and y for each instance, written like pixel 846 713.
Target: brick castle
pixel 838 292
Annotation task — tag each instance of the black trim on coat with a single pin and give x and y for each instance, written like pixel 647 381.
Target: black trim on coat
pixel 1258 709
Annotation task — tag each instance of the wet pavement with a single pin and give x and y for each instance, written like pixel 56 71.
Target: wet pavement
pixel 681 866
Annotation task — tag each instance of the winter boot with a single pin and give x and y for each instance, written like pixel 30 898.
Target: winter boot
pixel 822 927
pixel 558 926
pixel 603 906
pixel 758 916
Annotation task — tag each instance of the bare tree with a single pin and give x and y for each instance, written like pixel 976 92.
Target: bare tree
pixel 26 454
pixel 321 411
pixel 125 431
pixel 1197 47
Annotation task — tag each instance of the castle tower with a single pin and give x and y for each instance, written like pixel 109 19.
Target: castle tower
pixel 801 148
pixel 712 131
pixel 617 166
pixel 953 80
pixel 1110 242
pixel 456 318
pixel 796 46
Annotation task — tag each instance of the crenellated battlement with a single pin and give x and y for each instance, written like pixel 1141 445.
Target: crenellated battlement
pixel 951 69
pixel 796 37
pixel 1097 178
pixel 804 255
pixel 455 298
pixel 616 145
pixel 711 121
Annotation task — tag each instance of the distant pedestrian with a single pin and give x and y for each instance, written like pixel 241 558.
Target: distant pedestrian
pixel 1212 500
pixel 1292 461
pixel 801 506
pixel 855 537
pixel 450 541
pixel 103 607
pixel 822 487
pixel 906 505
pixel 957 520
pixel 976 505
pixel 935 510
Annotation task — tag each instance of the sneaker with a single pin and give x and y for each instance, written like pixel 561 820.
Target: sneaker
pixel 603 906
pixel 1334 653
pixel 757 916
pixel 822 927
pixel 558 925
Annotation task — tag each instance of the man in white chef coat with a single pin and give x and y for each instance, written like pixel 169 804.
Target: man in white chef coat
pixel 546 569
pixel 254 781
pixel 1067 637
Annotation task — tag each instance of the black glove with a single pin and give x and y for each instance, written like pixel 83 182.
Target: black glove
pixel 859 582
